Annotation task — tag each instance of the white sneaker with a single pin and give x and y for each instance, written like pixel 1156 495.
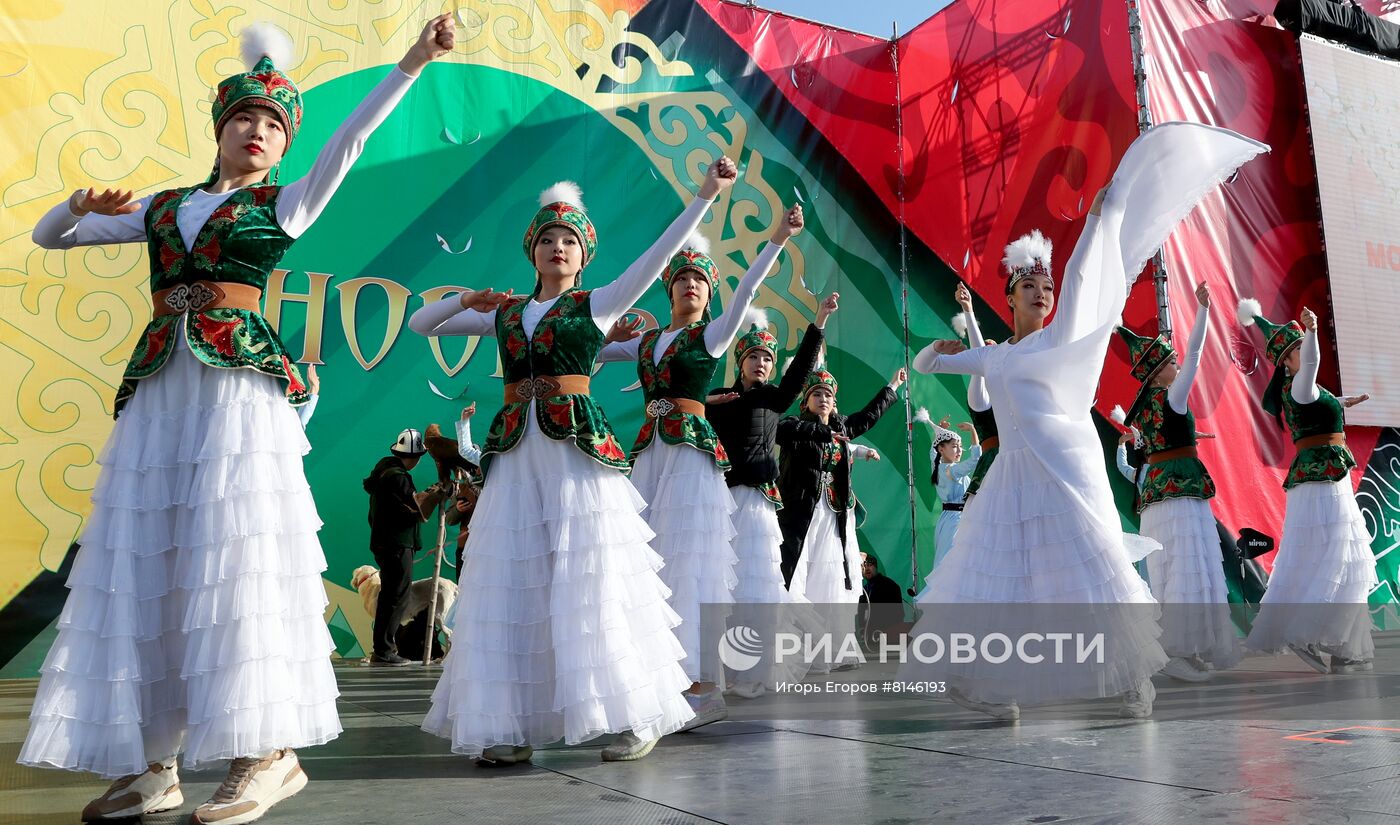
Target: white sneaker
pixel 1137 704
pixel 628 748
pixel 1007 713
pixel 1310 656
pixel 158 789
pixel 1182 670
pixel 708 707
pixel 251 788
pixel 746 690
pixel 1340 665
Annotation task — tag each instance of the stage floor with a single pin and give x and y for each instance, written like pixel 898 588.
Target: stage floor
pixel 950 766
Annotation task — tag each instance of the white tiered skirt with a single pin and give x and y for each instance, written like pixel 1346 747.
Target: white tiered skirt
pixel 1323 575
pixel 194 621
pixel 1028 556
pixel 1188 579
pixel 690 508
pixel 820 578
pixel 562 628
pixel 762 601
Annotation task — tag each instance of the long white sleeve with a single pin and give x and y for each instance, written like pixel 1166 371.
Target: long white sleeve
pixel 465 447
pixel 978 399
pixel 1124 468
pixel 445 316
pixel 621 351
pixel 1304 388
pixel 861 451
pixel 1180 391
pixel 301 202
pixel 720 332
pixel 305 411
pixel 967 362
pixel 61 229
pixel 611 301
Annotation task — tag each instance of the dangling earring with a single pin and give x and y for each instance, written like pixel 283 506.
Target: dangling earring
pixel 276 173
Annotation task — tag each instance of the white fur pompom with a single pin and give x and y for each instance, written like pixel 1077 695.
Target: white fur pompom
pixel 268 40
pixel 959 324
pixel 1248 308
pixel 1026 250
pixel 921 414
pixel 756 318
pixel 565 191
pixel 698 243
pixel 1118 414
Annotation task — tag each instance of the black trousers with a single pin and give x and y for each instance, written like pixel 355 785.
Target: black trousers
pixel 395 575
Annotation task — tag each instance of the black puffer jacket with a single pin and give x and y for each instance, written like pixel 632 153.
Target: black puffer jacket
pixel 801 440
pixel 748 425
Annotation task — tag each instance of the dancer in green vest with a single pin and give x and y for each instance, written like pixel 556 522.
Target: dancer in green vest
pixel 678 462
pixel 194 618
pixel 564 631
pixel 1324 571
pixel 1187 575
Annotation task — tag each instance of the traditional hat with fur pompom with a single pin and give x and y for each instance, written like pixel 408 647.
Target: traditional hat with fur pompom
pixel 1026 256
pixel 562 205
pixel 819 377
pixel 695 254
pixel 1279 340
pixel 267 50
pixel 758 337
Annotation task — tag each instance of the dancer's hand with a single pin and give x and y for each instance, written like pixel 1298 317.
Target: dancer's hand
pixel 1127 437
pixel 963 296
pixel 1352 400
pixel 469 411
pixel 790 225
pixel 873 455
pixel 110 202
pixel 1097 207
pixel 900 376
pixel 721 397
pixel 966 426
pixel 1203 295
pixel 624 329
pixel 949 347
pixel 987 342
pixel 462 505
pixel 1308 319
pixel 1204 435
pixel 438 38
pixel 484 300
pixel 721 176
pixel 827 308
pixel 313 381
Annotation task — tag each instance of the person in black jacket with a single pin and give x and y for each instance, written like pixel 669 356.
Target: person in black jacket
pixel 396 509
pixel 745 417
pixel 884 602
pixel 819 550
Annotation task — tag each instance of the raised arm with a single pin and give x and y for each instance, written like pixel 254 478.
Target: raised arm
pixel 621 351
pixel 470 312
pixel 1124 468
pixel 969 463
pixel 301 202
pixel 859 422
pixel 90 218
pixel 610 301
pixel 466 448
pixel 1180 391
pixel 720 332
pixel 951 357
pixel 977 397
pixel 1304 389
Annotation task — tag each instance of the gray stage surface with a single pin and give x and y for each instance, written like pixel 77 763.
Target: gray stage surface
pixel 949 765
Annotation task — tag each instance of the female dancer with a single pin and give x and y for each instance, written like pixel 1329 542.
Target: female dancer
pixel 952 473
pixel 979 404
pixel 565 632
pixel 194 622
pixel 1186 575
pixel 1043 530
pixel 745 417
pixel 818 519
pixel 678 462
pixel 1324 572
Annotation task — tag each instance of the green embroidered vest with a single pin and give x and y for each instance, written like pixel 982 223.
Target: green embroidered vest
pixel 985 423
pixel 566 342
pixel 685 371
pixel 241 242
pixel 1328 462
pixel 1163 429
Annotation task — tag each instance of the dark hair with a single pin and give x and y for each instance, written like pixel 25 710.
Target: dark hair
pixel 874 561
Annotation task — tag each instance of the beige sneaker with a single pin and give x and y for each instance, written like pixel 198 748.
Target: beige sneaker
pixel 498 755
pixel 628 748
pixel 1182 670
pixel 1009 712
pixel 158 789
pixel 1137 704
pixel 252 787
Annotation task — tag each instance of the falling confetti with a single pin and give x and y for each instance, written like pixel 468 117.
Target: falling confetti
pixel 447 247
pixel 439 393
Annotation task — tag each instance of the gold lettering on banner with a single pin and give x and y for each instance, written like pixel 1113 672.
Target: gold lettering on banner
pixel 437 293
pixel 275 295
pixel 397 295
